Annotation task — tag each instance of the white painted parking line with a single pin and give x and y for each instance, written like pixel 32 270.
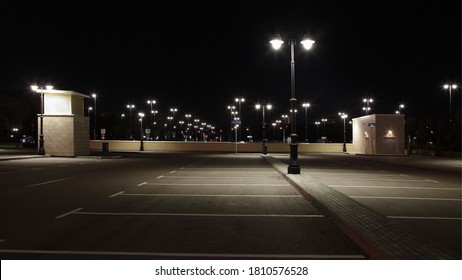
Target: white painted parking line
pixel 230 172
pixel 379 179
pixel 424 218
pixel 395 187
pixel 158 177
pixel 47 182
pixel 406 198
pixel 171 172
pixel 141 184
pixel 192 214
pixel 69 213
pixel 116 194
pixel 213 195
pixel 221 177
pixel 344 174
pixel 182 255
pixel 216 184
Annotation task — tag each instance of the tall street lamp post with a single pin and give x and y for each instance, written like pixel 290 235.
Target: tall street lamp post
pixel 306 106
pixel 344 117
pixel 150 103
pixel 40 89
pixel 317 129
pixel 130 107
pixel 276 42
pixel 239 101
pixel 141 115
pixel 93 95
pixel 450 88
pixel 263 127
pixel 367 103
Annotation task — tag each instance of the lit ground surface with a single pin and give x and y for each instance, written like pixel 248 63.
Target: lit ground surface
pixel 421 193
pixel 160 205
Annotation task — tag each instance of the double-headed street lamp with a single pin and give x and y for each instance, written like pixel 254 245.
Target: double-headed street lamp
pixel 400 106
pixel 344 117
pixel 130 107
pixel 367 104
pixel 306 106
pixel 40 89
pixel 239 101
pixel 450 88
pixel 150 103
pixel 263 126
pixel 276 42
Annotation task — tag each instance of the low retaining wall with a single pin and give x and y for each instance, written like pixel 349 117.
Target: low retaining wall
pixel 176 146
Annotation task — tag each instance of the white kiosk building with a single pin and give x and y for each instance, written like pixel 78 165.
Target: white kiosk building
pixel 66 130
pixel 379 134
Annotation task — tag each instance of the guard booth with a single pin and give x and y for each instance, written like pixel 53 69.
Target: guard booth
pixel 66 130
pixel 379 134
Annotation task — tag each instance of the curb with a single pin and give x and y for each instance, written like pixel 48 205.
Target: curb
pixel 377 236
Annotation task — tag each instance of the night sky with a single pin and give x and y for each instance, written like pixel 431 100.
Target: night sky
pixel 198 56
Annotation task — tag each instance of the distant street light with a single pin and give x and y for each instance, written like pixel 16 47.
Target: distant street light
pixel 122 116
pixel 367 102
pixel 150 103
pixel 317 129
pixel 239 101
pixel 324 127
pixel 36 88
pixel 141 115
pixel 400 106
pixel 450 88
pixel 276 42
pixel 306 106
pixel 93 95
pixel 130 107
pixel 263 126
pixel 344 117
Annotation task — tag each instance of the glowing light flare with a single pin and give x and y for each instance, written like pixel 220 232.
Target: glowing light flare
pixel 307 42
pixel 277 42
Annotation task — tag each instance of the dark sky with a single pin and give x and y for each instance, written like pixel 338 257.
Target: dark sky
pixel 198 56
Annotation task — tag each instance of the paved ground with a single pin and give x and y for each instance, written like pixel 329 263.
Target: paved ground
pixel 187 205
pixel 156 205
pixel 421 194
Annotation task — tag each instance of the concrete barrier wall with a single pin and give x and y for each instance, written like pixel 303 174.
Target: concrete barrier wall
pixel 176 146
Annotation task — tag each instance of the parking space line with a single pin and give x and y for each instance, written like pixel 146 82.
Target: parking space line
pixel 158 177
pixel 424 218
pixel 230 172
pixel 216 184
pixel 171 172
pixel 182 255
pixel 395 187
pixel 47 182
pixel 213 195
pixel 406 198
pixel 381 180
pixel 193 214
pixel 69 213
pixel 141 184
pixel 220 177
pixel 116 194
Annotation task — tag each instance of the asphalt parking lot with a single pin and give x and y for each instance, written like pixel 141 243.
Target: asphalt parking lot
pixel 421 194
pixel 160 205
